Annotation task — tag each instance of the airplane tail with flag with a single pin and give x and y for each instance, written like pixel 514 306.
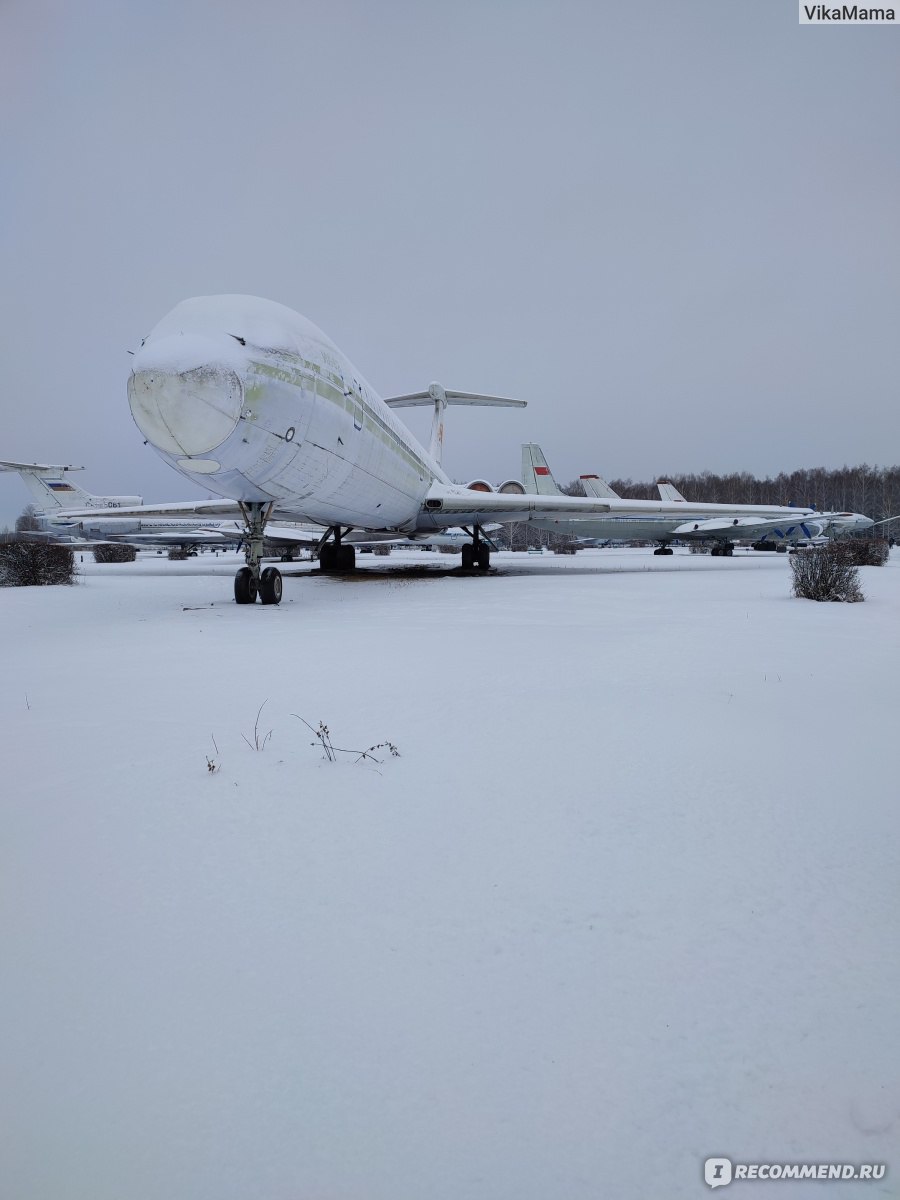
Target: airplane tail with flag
pixel 52 489
pixel 536 475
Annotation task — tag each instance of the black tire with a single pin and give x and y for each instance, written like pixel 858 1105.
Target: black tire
pixel 484 557
pixel 468 556
pixel 346 559
pixel 244 587
pixel 729 551
pixel 327 557
pixel 270 586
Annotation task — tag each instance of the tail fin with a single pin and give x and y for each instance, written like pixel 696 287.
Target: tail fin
pixel 440 397
pixel 536 475
pixel 668 491
pixel 49 486
pixel 595 486
pixel 52 490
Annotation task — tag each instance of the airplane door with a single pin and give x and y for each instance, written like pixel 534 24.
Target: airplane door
pixel 356 401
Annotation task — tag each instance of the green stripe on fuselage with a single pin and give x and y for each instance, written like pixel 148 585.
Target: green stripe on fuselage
pixel 306 375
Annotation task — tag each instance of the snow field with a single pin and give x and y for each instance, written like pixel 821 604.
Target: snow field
pixel 628 898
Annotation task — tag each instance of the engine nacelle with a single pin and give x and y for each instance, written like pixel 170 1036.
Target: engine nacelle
pixel 511 487
pixel 115 501
pixel 479 485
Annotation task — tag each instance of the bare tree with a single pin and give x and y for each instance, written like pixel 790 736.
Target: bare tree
pixel 26 521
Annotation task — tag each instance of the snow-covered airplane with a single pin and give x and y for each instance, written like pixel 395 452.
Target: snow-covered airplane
pixel 723 524
pixel 249 400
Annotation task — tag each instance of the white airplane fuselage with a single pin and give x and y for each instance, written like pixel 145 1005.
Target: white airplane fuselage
pixel 250 400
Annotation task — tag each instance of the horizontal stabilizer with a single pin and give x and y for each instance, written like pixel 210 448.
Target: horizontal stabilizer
pixel 420 399
pixel 36 468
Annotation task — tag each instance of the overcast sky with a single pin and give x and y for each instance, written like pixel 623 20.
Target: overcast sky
pixel 672 228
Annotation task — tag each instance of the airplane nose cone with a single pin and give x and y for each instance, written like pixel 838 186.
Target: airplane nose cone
pixel 181 405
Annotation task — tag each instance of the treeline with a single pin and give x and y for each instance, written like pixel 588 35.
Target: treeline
pixel 874 491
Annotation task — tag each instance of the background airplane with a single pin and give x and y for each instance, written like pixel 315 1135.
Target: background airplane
pixel 689 521
pixel 56 497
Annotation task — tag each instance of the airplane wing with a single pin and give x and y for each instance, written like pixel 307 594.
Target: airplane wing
pixel 750 527
pixel 210 509
pixel 446 505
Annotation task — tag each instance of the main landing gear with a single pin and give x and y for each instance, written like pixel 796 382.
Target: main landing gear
pixel 477 555
pixel 664 549
pixel 250 582
pixel 726 550
pixel 334 556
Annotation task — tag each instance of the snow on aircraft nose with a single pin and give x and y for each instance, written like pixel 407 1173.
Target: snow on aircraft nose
pixel 185 397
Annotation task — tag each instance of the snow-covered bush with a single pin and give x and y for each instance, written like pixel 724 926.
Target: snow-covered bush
pixel 32 564
pixel 863 552
pixel 113 553
pixel 825 573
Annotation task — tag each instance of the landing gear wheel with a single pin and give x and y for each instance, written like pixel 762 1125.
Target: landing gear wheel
pixel 327 557
pixel 244 586
pixel 346 558
pixel 483 557
pixel 664 550
pixel 270 586
pixel 468 556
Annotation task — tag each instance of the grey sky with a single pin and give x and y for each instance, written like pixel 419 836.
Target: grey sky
pixel 671 227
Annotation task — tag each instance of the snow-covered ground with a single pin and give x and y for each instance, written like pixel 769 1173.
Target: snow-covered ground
pixel 628 898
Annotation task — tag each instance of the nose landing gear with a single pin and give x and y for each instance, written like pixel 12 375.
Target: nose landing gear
pixel 249 582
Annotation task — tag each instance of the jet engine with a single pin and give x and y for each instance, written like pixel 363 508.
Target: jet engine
pixel 116 501
pixel 509 487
